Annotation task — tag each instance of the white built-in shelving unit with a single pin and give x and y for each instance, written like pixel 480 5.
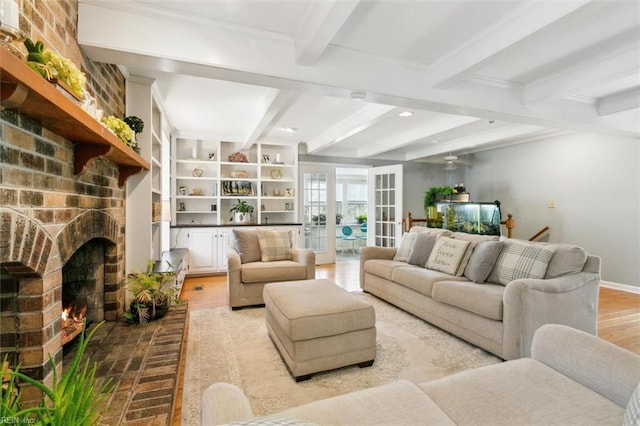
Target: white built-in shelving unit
pixel 148 193
pixel 206 184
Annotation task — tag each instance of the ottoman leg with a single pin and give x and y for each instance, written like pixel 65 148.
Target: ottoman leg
pixel 365 364
pixel 303 377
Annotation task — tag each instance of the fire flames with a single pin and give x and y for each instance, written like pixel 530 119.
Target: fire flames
pixel 73 317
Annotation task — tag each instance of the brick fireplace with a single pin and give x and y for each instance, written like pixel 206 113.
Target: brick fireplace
pixel 55 223
pixel 54 227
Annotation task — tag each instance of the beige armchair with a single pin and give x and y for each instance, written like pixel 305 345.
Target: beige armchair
pixel 258 257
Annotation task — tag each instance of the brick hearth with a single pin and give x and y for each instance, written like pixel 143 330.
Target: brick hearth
pixel 144 363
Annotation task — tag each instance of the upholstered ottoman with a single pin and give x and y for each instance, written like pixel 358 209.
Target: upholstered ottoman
pixel 317 326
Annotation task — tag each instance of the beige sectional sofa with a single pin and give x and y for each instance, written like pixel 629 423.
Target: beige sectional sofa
pixel 572 378
pixel 552 283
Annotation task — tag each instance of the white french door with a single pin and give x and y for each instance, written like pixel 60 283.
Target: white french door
pixel 384 223
pixel 317 182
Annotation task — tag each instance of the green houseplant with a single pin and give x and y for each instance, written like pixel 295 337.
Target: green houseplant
pixel 75 398
pixel 152 294
pixel 430 197
pixel 242 211
pixel 361 218
pixel 137 125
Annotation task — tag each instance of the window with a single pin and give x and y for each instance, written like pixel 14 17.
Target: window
pixel 351 195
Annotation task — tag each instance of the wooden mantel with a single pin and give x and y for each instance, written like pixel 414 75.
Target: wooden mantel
pixel 27 92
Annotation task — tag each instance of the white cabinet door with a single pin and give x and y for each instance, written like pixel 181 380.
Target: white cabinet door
pixel 207 249
pixel 203 250
pixel 223 238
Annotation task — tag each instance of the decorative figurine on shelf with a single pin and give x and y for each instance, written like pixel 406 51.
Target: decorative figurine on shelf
pixel 276 192
pixel 459 188
pixel 197 172
pixel 238 157
pixel 212 156
pixel 276 174
pixel 289 192
pixel 266 159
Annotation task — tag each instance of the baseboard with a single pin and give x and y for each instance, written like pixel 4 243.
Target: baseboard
pixel 622 287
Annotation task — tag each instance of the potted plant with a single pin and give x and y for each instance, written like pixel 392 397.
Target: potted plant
pixel 137 125
pixel 75 397
pixel 241 211
pixel 437 193
pixel 361 218
pixel 152 294
pixel 320 219
pixel 338 219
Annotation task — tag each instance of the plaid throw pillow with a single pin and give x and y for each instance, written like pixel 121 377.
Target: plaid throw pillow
pixel 520 260
pixel 406 244
pixel 274 245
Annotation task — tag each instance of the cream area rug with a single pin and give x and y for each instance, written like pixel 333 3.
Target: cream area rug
pixel 234 347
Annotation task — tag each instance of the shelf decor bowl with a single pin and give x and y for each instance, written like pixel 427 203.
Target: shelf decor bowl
pixel 239 174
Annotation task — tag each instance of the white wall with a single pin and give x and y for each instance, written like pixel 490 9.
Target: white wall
pixel 595 183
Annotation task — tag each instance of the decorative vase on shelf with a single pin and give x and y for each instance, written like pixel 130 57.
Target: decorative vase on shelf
pixel 241 217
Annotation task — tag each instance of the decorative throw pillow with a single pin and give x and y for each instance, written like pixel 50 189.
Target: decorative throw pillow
pixel 406 244
pixel 421 250
pixel 482 260
pixel 474 240
pixel 520 260
pixel 248 245
pixel 274 245
pixel 447 255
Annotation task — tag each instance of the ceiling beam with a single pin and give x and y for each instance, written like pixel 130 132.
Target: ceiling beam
pixel 367 116
pixel 524 20
pixel 186 47
pixel 272 108
pixel 621 102
pixel 321 22
pixel 426 132
pixel 610 65
pixel 501 130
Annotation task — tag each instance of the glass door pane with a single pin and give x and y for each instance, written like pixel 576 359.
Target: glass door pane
pixel 317 191
pixel 386 212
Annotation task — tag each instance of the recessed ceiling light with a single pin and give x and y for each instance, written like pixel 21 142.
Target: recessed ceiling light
pixel 290 129
pixel 405 114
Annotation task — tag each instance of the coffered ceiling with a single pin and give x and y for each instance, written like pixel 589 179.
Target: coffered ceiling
pixel 336 74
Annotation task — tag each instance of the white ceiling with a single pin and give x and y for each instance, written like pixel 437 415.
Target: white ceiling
pixel 476 74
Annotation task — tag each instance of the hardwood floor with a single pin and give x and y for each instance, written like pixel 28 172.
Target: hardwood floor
pixel 618 311
pixel 619 318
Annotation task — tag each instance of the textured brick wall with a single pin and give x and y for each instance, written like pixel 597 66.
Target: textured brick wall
pixel 55 22
pixel 47 212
